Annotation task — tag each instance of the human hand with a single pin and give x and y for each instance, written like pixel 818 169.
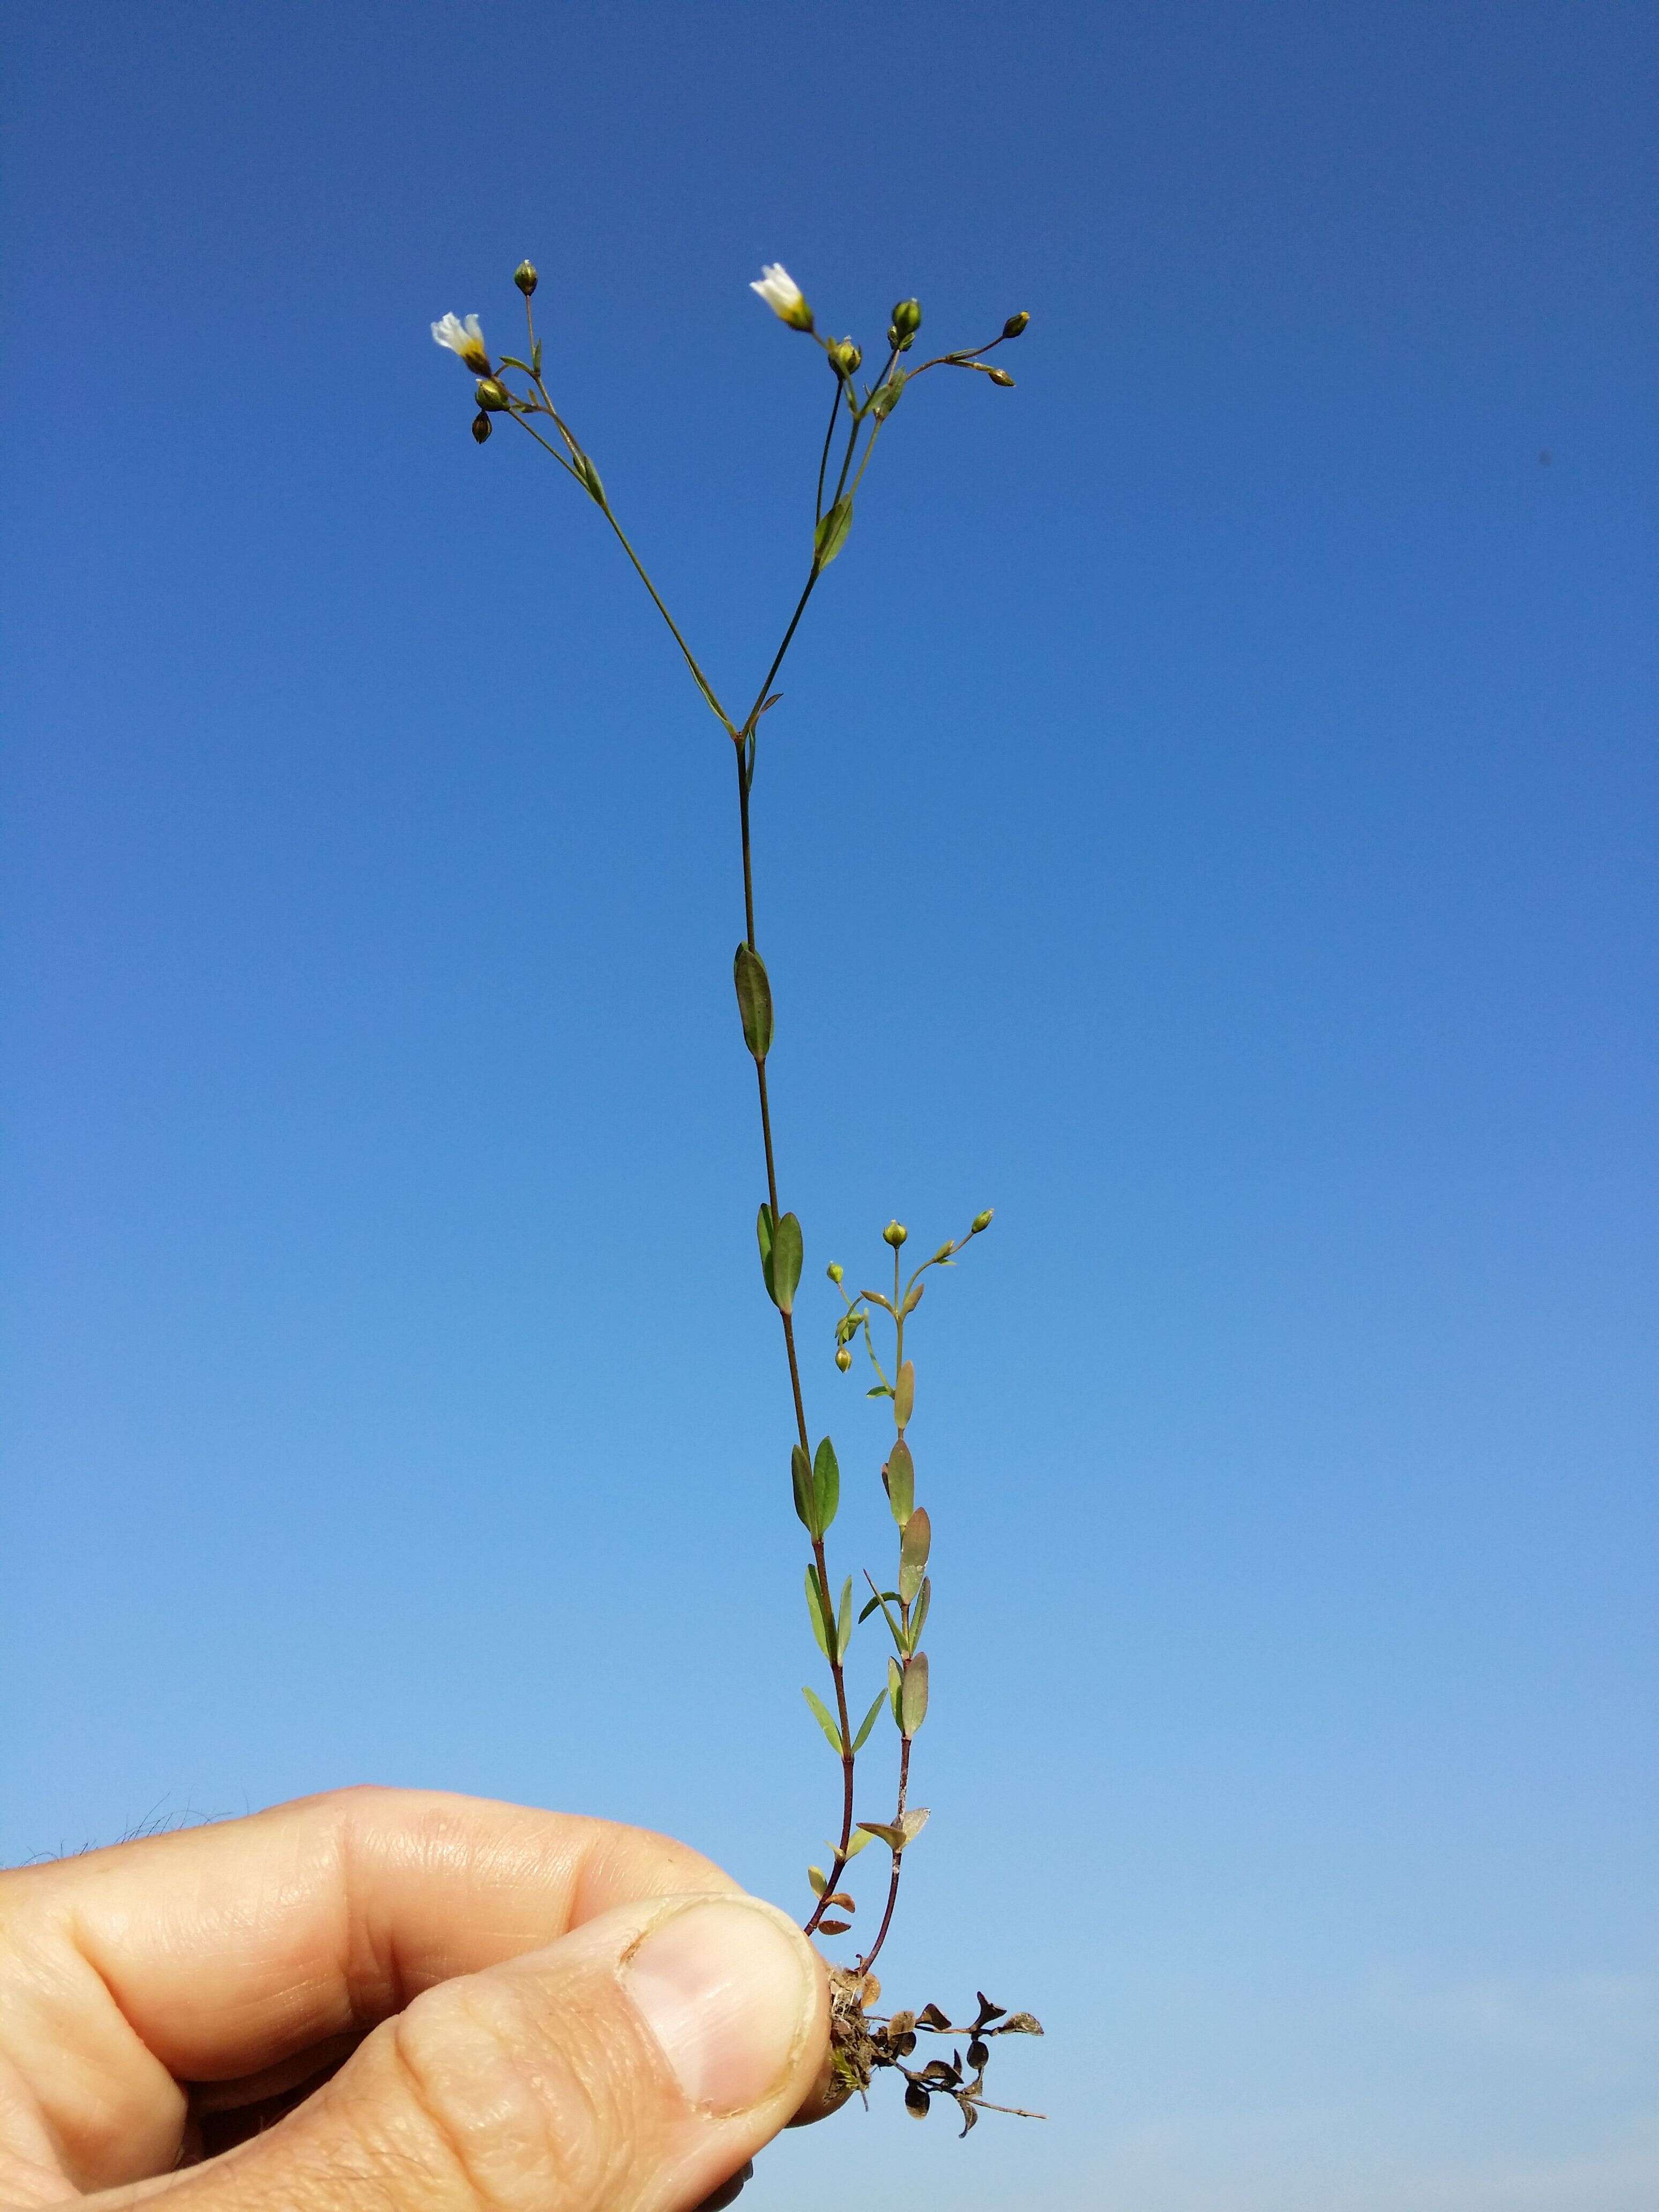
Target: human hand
pixel 389 2001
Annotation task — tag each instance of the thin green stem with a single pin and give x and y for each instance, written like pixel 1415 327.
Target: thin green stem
pixel 847 458
pixel 578 466
pixel 753 715
pixel 702 683
pixel 545 447
pixel 838 1672
pixel 874 1951
pixel 869 448
pixel 962 355
pixel 823 459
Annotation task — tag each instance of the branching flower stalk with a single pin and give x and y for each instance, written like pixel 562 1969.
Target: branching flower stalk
pixel 863 2041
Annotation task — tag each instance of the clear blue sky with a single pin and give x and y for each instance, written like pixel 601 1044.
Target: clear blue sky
pixel 1211 818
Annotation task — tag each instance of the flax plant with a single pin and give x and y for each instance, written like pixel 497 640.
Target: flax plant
pixel 514 390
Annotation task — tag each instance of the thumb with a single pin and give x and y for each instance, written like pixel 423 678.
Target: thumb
pixel 633 2066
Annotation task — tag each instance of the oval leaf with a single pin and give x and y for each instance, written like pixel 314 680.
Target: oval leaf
pixel 904 1394
pixel 826 1483
pixel 754 1000
pixel 815 1611
pixel 783 1275
pixel 913 1547
pixel 825 1718
pixel 921 1613
pixel 844 1622
pixel 912 1697
pixel 885 1833
pixel 901 1476
pixel 831 533
pixel 869 1720
pixel 800 1471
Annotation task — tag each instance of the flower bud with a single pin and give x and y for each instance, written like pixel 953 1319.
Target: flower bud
pixel 1000 376
pixel 784 296
pixel 845 355
pixel 835 1270
pixel 907 320
pixel 1015 325
pixel 895 1234
pixel 493 397
pixel 843 1359
pixel 481 426
pixel 526 278
pixel 982 1220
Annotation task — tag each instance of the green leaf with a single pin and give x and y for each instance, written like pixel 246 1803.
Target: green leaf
pixel 869 1720
pixel 800 1470
pixel 816 1877
pixel 921 1613
pixel 881 1390
pixel 764 1238
pixel 912 1299
pixel 887 395
pixel 826 1483
pixel 535 358
pixel 894 1684
pixel 815 1608
pixel 904 1396
pixel 844 1621
pixel 913 1698
pixel 590 477
pixel 825 1718
pixel 897 1834
pixel 874 1605
pixel 783 1275
pixel 831 533
pixel 754 1000
pixel 901 1482
pixel 913 1546
pixel 891 1597
pixel 857 1842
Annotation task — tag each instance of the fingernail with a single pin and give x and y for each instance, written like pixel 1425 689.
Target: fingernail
pixel 724 1990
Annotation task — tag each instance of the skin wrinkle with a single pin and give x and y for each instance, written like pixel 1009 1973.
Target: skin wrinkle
pixel 351 1846
pixel 583 2142
pixel 282 1939
pixel 104 2107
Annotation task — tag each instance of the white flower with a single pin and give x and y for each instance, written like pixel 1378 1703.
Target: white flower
pixel 783 296
pixel 464 338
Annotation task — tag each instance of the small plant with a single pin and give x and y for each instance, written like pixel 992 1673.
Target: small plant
pixel 864 2042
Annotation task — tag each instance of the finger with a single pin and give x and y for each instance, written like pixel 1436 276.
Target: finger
pixel 635 2066
pixel 220 1951
pixel 729 2192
